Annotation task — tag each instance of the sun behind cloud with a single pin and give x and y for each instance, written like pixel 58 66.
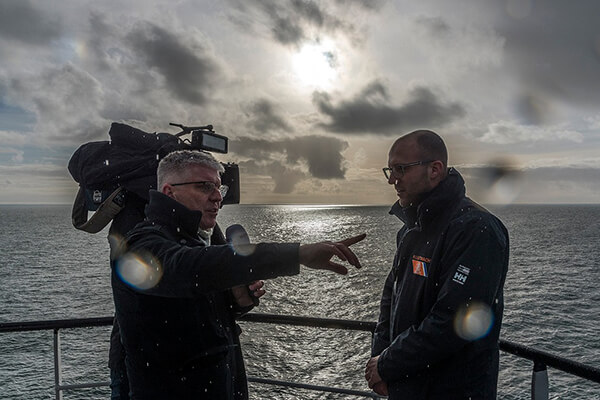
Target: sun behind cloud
pixel 315 64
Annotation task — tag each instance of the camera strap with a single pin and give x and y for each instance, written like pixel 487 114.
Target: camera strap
pixel 102 216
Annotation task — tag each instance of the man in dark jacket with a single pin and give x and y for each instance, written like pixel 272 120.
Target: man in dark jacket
pixel 123 222
pixel 178 286
pixel 442 303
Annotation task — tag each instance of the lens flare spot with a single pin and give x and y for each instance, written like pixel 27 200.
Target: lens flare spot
pixel 141 271
pixel 502 181
pixel 243 249
pixel 473 321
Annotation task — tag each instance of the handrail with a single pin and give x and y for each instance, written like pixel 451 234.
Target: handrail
pixel 551 360
pixel 539 357
pixel 55 324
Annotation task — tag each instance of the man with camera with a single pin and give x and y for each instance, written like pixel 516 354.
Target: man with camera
pixel 178 286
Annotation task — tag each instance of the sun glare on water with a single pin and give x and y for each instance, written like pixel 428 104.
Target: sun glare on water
pixel 315 64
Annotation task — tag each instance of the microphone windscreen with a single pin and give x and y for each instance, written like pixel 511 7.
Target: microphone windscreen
pixel 236 234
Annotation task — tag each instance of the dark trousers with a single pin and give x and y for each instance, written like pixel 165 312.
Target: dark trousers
pixel 210 381
pixel 119 385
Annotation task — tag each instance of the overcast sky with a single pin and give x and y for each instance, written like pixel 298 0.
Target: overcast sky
pixel 310 93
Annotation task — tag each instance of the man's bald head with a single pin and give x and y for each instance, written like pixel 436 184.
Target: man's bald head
pixel 430 145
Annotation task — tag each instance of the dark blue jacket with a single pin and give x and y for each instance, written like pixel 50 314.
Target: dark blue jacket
pixel 449 271
pixel 180 336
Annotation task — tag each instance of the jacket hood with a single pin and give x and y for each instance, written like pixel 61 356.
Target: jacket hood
pixel 179 216
pixel 451 188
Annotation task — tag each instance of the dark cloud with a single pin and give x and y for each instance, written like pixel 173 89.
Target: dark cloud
pixel 287 31
pixel 369 5
pixel 265 117
pixel 21 21
pixel 100 33
pixel 553 48
pixel 435 26
pixel 188 70
pixel 370 111
pixel 321 154
pixel 309 11
pixel 285 178
pixel 290 22
pixel 64 102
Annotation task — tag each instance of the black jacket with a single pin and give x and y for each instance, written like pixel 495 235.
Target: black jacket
pixel 131 215
pixel 450 265
pixel 180 335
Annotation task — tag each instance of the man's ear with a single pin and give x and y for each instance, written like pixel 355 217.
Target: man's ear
pixel 167 189
pixel 437 170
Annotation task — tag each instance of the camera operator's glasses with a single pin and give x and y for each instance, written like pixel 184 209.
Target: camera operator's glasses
pixel 399 169
pixel 206 187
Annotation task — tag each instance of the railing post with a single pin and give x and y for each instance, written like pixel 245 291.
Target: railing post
pixel 539 382
pixel 57 366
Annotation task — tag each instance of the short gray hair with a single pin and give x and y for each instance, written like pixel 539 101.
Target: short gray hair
pixel 178 161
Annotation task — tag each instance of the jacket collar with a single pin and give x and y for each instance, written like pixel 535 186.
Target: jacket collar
pixel 166 211
pixel 439 199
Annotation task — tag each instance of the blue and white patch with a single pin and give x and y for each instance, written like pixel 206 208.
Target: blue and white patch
pixel 461 274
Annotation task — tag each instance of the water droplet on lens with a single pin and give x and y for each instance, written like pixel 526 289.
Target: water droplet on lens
pixel 473 322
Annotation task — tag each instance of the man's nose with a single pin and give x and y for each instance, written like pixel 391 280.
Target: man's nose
pixel 216 195
pixel 392 180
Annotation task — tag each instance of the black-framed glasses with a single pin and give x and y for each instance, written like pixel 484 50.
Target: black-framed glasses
pixel 206 187
pixel 399 169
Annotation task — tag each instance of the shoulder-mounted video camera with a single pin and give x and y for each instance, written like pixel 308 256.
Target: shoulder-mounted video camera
pixel 205 138
pixel 114 172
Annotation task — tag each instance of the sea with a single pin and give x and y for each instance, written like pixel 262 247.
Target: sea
pixel 49 270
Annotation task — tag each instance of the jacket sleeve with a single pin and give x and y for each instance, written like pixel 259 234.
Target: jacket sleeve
pixel 183 271
pixel 473 269
pixel 381 337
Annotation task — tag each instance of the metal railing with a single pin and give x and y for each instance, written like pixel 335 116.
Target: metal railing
pixel 541 359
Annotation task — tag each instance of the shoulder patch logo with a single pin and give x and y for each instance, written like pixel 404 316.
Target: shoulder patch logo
pixel 421 265
pixel 461 274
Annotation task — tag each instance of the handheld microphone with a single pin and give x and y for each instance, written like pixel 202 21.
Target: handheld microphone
pixel 236 235
pixel 238 239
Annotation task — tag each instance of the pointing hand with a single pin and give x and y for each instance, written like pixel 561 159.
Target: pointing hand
pixel 318 255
